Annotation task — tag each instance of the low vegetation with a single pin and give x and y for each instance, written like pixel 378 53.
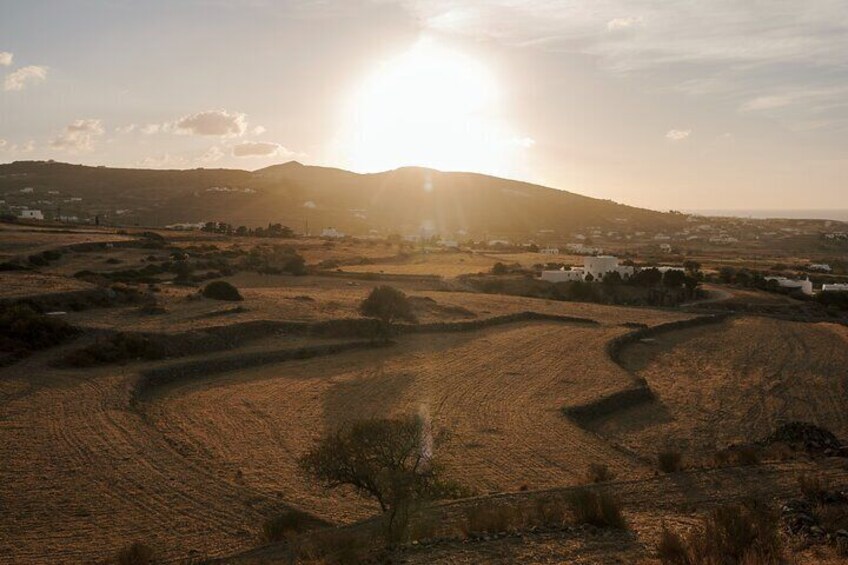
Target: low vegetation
pixel 119 348
pixel 285 525
pixel 23 330
pixel 735 533
pixel 135 554
pixel 596 508
pixel 670 461
pixel 222 290
pixel 598 473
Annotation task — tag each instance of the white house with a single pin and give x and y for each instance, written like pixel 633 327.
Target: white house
pixel 805 286
pixel 665 247
pixel 332 232
pixel 603 264
pixel 450 243
pixel 564 275
pixel 835 287
pixel 31 215
pixel 666 268
pixel 595 266
pixel 821 267
pixel 549 251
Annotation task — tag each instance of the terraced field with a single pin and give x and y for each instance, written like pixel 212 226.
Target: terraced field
pixel 502 410
pixel 735 382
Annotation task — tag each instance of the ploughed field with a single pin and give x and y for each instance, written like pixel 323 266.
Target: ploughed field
pixel 193 464
pixel 735 382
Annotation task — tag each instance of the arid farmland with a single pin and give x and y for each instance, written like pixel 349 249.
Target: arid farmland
pixel 177 420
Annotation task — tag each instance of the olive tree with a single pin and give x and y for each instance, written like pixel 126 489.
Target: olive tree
pixel 389 460
pixel 388 305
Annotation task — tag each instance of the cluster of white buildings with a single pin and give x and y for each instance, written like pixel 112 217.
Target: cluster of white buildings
pixel 805 286
pixel 597 267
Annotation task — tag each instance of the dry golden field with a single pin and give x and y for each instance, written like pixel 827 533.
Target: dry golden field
pixel 734 383
pixel 92 461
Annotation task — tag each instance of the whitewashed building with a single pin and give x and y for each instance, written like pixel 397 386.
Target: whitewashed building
pixel 805 286
pixel 835 287
pixel 332 233
pixel 32 215
pixel 549 251
pixel 598 267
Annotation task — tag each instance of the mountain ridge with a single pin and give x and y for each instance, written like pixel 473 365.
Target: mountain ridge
pixel 404 200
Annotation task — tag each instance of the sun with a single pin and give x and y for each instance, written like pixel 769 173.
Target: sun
pixel 432 107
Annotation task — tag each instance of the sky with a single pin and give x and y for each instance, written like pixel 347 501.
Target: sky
pixel 718 104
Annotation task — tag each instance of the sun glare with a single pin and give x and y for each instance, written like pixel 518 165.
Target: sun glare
pixel 432 107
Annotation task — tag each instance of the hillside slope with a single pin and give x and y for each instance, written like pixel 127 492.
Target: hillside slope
pixel 405 200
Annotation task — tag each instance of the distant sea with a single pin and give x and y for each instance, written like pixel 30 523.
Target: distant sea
pixel 840 215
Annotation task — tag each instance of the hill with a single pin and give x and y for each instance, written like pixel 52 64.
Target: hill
pixel 404 200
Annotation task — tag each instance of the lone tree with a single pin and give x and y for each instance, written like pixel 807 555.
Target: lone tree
pixel 389 460
pixel 387 304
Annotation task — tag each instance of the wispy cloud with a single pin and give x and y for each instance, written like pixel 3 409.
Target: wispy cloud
pixel 78 136
pixel 20 78
pixel 740 50
pixel 677 134
pixel 219 123
pixel 261 149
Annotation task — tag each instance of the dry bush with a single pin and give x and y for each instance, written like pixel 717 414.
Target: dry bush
pixel 221 290
pixel 670 461
pixel 492 518
pixel 333 545
pixel 597 509
pixel 119 348
pixel 672 549
pixel 736 533
pixel 551 511
pixel 811 487
pixel 281 526
pixel 832 517
pixel 599 473
pixel 134 554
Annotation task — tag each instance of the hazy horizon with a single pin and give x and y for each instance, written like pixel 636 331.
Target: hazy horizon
pixel 729 105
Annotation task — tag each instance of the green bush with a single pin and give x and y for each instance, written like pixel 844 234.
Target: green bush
pixel 221 290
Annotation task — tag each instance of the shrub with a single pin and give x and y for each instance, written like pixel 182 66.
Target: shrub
pixel 551 511
pixel 23 330
pixel 221 290
pixel 598 473
pixel 670 461
pixel 597 509
pixel 492 518
pixel 332 545
pixel 672 549
pixel 119 348
pixel 387 304
pixel 135 554
pixel 281 527
pixel 735 533
pixel 811 487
